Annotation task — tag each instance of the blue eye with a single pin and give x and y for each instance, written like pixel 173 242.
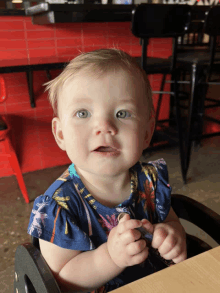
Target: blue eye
pixel 123 114
pixel 82 114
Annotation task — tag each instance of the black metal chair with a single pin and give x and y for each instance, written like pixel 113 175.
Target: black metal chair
pixel 163 21
pixel 33 275
pixel 191 55
pixel 193 40
pixel 201 64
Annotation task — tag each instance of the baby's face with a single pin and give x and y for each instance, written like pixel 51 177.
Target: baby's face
pixel 103 123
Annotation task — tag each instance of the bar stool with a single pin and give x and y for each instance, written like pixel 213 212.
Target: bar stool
pixel 163 21
pixel 202 69
pixel 6 147
pixel 194 57
pixel 200 62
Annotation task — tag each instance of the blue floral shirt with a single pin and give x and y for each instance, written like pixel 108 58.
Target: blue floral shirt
pixel 69 216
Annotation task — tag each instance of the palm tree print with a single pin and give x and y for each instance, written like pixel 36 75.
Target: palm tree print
pixel 107 225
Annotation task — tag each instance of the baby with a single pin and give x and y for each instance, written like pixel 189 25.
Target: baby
pixel 104 119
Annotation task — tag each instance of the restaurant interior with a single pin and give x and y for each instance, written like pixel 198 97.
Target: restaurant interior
pixel 35 47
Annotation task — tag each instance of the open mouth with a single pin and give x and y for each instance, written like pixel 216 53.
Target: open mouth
pixel 105 149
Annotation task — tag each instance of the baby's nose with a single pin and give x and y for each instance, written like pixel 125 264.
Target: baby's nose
pixel 105 127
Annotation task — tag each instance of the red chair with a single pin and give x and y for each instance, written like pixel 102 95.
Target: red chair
pixel 6 146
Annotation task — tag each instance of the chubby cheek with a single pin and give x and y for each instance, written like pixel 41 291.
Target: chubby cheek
pixel 134 144
pixel 76 142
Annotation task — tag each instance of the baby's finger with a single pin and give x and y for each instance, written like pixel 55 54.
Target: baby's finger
pixel 130 236
pixel 140 257
pixel 125 225
pixel 159 236
pixel 147 226
pixel 180 257
pixel 123 217
pixel 136 247
pixel 177 250
pixel 167 247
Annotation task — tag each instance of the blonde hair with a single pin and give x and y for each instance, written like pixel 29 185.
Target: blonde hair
pixel 99 62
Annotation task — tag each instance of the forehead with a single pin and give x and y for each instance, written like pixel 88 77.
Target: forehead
pixel 90 83
pixel 120 76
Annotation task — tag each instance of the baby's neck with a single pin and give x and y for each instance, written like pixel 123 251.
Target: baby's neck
pixel 109 191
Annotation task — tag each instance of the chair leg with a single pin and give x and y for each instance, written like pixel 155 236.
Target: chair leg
pixel 172 102
pixel 29 75
pixel 202 92
pixel 179 127
pixel 160 100
pixel 188 140
pixel 158 106
pixel 16 167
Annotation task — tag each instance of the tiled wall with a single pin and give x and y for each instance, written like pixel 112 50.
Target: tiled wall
pixel 25 43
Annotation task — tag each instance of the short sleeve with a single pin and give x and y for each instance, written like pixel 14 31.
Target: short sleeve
pixel 52 222
pixel 162 190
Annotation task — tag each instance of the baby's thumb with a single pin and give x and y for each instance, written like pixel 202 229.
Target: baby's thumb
pixel 122 217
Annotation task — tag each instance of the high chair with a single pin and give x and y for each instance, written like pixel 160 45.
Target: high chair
pixel 33 275
pixel 6 148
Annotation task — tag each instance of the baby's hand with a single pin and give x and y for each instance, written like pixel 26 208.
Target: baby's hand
pixel 170 240
pixel 124 244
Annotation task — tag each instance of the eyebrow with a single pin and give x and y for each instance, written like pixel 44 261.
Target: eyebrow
pixel 88 100
pixel 129 101
pixel 83 100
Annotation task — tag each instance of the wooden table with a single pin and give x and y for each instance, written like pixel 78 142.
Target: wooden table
pixel 199 274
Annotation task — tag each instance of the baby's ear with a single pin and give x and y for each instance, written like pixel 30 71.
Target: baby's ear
pixel 149 132
pixel 58 133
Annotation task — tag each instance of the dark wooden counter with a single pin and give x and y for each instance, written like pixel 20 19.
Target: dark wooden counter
pixel 46 13
pixel 13 12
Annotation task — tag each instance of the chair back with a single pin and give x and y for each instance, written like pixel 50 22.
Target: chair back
pixel 195 35
pixel 32 274
pixel 212 28
pixel 212 21
pixel 160 21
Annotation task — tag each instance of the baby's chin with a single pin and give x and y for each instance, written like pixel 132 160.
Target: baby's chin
pixel 101 172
